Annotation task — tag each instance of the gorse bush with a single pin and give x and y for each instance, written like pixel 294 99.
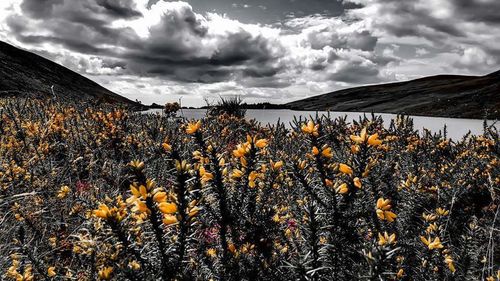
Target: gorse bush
pixel 88 193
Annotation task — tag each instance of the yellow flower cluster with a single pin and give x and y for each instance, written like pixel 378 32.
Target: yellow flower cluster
pixel 114 214
pixel 363 138
pixel 383 210
pixel 386 239
pixel 310 128
pixel 13 271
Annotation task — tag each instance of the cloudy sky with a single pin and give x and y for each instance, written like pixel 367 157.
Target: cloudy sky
pixel 263 50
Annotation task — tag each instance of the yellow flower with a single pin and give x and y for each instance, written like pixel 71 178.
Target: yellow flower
pixel 53 241
pixel 160 197
pixel 276 218
pixel 192 127
pixel 141 207
pixel 205 176
pixel 384 204
pixel 102 212
pixel 328 182
pixel 237 174
pixel 345 169
pixel 327 152
pixel 193 211
pixel 374 141
pixel 361 138
pixel 357 182
pixel 450 263
pixel 231 248
pixel 63 192
pixel 432 244
pixel 382 210
pixel 166 146
pixel 169 219
pixel 386 215
pixel 193 203
pixel 310 128
pixel 355 149
pixel 302 164
pixel 51 271
pixel 315 151
pixel 167 208
pixel 135 191
pixel 105 273
pixel 244 162
pixel 134 265
pixel 431 228
pixel 386 239
pixel 261 143
pixel 241 150
pixel 247 247
pixel 253 176
pixel 342 189
pixel 277 165
pixel 136 164
pixel 429 217
pixel 182 165
pixel 143 191
pixel 400 273
pixel 222 162
pixel 212 252
pixel 442 212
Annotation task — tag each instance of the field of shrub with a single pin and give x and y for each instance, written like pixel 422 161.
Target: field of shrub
pixel 88 193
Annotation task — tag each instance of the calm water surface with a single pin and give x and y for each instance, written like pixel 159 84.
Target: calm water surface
pixel 456 127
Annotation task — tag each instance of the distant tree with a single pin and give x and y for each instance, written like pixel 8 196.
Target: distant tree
pixel 171 109
pixel 232 106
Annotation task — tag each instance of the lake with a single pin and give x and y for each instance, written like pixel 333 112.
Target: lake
pixel 456 127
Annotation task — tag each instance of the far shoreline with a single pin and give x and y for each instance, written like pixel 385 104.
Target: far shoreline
pixel 284 107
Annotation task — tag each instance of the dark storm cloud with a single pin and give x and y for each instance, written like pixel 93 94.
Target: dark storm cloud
pixel 407 19
pixel 73 35
pixel 181 46
pixel 478 10
pixel 56 8
pixel 119 8
pixel 357 73
pixel 267 82
pixel 361 40
pixel 75 45
pixel 39 8
pixel 76 24
pixel 151 3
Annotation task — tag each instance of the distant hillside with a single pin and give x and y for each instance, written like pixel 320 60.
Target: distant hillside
pixel 23 73
pixel 442 95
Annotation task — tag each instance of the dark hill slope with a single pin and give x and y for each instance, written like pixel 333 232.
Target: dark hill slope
pixel 23 73
pixel 442 95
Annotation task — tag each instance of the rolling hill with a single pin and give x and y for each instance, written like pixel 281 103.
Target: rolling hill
pixel 443 95
pixel 24 73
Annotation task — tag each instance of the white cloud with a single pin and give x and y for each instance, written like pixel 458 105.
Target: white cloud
pixel 421 51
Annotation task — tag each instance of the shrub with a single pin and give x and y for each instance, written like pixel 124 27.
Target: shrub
pixel 231 106
pixel 170 109
pixel 89 193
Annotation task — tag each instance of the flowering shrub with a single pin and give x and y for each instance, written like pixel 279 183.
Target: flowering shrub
pixel 89 193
